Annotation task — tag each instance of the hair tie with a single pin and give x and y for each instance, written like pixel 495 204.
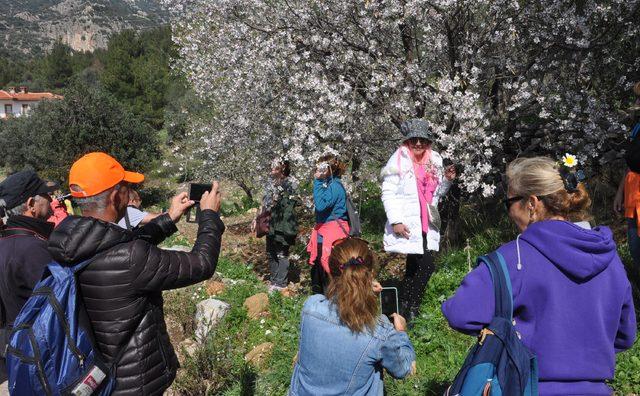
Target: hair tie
pixel 571 179
pixel 353 261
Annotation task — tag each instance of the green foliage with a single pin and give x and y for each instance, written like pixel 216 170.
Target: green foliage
pixel 136 71
pixel 135 68
pixel 60 131
pixel 55 69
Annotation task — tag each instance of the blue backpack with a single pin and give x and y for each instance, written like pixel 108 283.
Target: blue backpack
pixel 51 348
pixel 499 364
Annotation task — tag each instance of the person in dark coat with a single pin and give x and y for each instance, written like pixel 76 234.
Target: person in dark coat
pixel 279 201
pixel 25 201
pixel 122 286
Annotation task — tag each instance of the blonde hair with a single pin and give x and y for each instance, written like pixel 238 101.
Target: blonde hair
pixel 352 273
pixel 337 167
pixel 540 177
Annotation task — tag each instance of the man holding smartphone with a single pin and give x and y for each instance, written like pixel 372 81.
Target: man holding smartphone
pixel 122 286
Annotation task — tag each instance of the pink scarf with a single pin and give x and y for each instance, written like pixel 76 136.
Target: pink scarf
pixel 426 180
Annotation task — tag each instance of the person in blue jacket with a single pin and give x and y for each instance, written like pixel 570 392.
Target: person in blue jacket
pixel 330 200
pixel 345 343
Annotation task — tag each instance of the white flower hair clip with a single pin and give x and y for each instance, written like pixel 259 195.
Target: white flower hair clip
pixel 569 160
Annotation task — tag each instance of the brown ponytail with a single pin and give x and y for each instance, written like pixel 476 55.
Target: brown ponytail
pixel 352 273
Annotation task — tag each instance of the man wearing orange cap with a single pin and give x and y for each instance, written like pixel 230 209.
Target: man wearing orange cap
pixel 122 286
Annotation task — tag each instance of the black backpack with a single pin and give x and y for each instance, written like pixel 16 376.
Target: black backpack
pixel 632 155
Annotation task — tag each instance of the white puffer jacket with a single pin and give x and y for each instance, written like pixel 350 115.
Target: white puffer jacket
pixel 401 203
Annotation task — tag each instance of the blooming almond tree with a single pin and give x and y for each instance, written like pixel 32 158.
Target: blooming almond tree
pixel 494 78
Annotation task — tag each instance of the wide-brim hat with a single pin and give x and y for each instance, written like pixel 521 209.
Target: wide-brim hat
pixel 416 128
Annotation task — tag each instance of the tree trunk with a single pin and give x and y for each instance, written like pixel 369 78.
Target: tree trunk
pixel 245 188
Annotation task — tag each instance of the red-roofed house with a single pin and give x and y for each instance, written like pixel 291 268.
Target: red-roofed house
pixel 17 103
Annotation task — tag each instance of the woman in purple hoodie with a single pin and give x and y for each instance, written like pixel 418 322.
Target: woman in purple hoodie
pixel 572 299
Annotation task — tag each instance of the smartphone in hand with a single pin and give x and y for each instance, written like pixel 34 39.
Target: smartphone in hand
pixel 389 301
pixel 196 190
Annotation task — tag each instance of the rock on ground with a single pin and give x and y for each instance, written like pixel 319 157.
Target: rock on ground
pixel 259 354
pixel 257 305
pixel 214 287
pixel 208 314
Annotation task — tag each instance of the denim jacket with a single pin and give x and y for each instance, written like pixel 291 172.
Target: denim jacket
pixel 333 360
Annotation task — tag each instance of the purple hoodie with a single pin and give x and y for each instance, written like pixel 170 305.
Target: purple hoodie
pixel 572 304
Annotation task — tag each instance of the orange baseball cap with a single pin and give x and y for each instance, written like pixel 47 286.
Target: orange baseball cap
pixel 97 172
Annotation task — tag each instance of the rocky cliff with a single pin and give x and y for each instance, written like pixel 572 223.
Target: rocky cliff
pixel 29 26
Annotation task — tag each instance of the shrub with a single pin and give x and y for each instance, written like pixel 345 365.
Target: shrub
pixel 58 132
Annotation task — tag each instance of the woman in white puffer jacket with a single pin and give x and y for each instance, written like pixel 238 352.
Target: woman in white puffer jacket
pixel 413 182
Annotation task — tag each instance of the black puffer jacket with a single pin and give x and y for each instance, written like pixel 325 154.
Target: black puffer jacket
pixel 122 292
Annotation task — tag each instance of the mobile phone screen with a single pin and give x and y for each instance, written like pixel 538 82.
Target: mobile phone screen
pixel 196 190
pixel 389 300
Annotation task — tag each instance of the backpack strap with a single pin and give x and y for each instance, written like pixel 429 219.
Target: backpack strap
pixel 501 285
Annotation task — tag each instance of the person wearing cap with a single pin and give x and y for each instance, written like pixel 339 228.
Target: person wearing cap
pixel 413 182
pixel 24 200
pixel 122 286
pixel 135 216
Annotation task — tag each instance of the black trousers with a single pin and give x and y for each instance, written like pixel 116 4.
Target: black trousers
pixel 419 269
pixel 278 262
pixel 319 278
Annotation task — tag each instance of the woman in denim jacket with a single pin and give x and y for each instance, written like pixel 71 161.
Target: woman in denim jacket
pixel 344 341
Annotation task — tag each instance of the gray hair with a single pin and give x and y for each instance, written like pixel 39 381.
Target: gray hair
pixel 22 208
pixel 96 203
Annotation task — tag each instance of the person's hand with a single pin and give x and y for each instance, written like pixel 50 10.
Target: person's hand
pixel 414 369
pixel 321 174
pixel 376 286
pixel 211 199
pixel 253 225
pixel 617 203
pixel 450 172
pixel 180 203
pixel 401 230
pixel 399 322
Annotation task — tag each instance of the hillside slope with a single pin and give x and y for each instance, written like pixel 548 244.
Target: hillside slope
pixel 29 26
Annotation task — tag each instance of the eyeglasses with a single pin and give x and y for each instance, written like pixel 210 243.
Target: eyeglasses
pixel 510 201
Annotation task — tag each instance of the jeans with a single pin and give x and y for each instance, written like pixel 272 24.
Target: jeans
pixel 634 248
pixel 419 269
pixel 278 262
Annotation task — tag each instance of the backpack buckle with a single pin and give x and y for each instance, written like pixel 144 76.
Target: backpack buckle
pixel 483 335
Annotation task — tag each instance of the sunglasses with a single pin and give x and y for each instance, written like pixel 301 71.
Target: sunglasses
pixel 510 201
pixel 339 241
pixel 419 141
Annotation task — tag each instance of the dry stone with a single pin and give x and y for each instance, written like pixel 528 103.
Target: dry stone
pixel 214 287
pixel 208 314
pixel 186 348
pixel 257 305
pixel 259 354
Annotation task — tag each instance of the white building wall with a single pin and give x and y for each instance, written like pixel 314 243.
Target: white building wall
pixel 16 107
